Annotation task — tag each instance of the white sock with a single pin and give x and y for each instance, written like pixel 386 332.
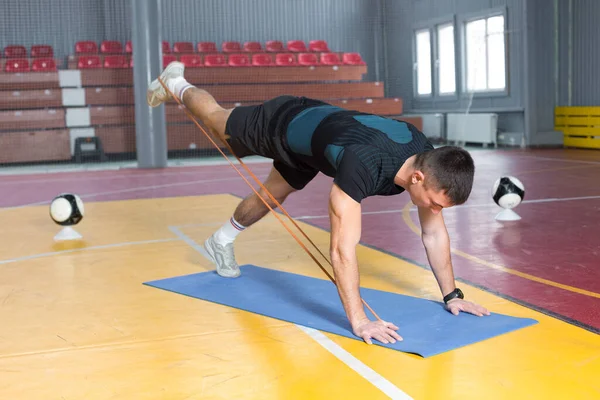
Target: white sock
pixel 178 86
pixel 228 232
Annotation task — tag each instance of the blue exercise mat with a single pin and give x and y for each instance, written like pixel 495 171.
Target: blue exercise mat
pixel 426 327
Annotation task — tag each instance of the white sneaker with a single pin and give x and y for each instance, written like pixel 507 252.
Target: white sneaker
pixel 223 258
pixel 156 93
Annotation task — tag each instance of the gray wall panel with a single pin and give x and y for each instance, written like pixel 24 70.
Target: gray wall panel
pixel 542 61
pixel 59 23
pixel 348 25
pixel 586 52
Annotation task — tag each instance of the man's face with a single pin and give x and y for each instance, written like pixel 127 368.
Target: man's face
pixel 426 196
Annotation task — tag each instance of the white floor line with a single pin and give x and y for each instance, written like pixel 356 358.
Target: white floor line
pixel 491 204
pixel 189 241
pixel 135 189
pixel 120 177
pixel 561 159
pixel 373 377
pixel 101 247
pixel 354 363
pixel 117 165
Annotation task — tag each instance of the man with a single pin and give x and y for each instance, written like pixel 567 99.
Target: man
pixel 366 155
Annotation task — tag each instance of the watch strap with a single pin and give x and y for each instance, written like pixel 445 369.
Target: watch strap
pixel 456 293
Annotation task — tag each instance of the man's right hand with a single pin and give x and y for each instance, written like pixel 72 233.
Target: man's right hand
pixel 380 330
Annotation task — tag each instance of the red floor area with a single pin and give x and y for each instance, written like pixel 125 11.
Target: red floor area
pixel 557 240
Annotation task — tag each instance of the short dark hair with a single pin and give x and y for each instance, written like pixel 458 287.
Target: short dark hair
pixel 452 170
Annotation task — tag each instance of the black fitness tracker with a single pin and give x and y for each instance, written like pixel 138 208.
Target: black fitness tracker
pixel 456 293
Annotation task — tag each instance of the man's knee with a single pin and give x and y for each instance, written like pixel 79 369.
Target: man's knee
pixel 279 193
pixel 217 121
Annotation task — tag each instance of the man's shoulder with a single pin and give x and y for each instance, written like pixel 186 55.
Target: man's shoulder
pixel 365 154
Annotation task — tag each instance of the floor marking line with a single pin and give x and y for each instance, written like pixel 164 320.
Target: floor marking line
pixel 119 166
pixel 118 177
pixel 409 222
pixel 128 190
pixel 188 240
pixel 373 377
pixel 100 247
pixel 354 363
pixel 560 159
pixel 559 169
pixel 548 200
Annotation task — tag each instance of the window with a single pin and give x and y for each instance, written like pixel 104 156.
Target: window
pixel 423 64
pixel 485 54
pixel 445 61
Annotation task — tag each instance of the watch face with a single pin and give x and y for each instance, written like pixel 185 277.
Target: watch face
pixel 460 293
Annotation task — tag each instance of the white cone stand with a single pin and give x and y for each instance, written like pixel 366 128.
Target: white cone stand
pixel 507 215
pixel 67 233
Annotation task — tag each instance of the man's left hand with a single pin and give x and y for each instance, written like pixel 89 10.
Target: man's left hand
pixel 457 305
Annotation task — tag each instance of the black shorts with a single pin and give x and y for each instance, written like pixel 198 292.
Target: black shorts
pixel 261 130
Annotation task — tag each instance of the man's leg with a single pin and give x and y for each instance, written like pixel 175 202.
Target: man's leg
pixel 247 213
pixel 251 209
pixel 201 103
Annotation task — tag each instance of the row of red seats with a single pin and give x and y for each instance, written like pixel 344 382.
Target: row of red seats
pixel 36 65
pixel 192 60
pixel 232 60
pixel 273 46
pixel 37 51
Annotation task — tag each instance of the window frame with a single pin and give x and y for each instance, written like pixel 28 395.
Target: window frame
pixel 484 15
pixel 452 95
pixel 432 26
pixel 415 70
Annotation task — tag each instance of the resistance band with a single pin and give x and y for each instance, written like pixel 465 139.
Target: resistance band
pixel 193 119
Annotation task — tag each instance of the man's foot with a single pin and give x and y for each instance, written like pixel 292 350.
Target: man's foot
pixel 156 93
pixel 223 257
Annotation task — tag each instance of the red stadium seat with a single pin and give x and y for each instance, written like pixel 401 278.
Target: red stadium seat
pixel 43 65
pixel 274 46
pixel 87 62
pixel 166 48
pixel 319 46
pixel 115 61
pixel 15 51
pixel 168 59
pixel 308 59
pixel 285 59
pixel 17 65
pixel 330 59
pixel 86 46
pixel 42 51
pixel 253 47
pixel 262 59
pixel 231 47
pixel 352 59
pixel 207 47
pixel 191 60
pixel 215 60
pixel 183 47
pixel 296 46
pixel 111 47
pixel 239 60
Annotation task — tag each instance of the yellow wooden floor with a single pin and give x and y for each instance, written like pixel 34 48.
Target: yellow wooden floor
pixel 80 324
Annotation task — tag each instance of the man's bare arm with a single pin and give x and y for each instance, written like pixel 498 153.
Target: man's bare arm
pixel 437 245
pixel 345 217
